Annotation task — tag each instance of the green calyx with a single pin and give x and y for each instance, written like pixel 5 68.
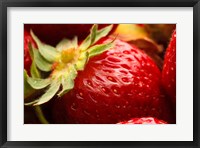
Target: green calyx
pixel 54 69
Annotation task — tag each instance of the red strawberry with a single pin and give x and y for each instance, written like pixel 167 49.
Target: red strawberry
pixel 27 59
pixel 53 33
pixel 120 84
pixel 169 69
pixel 144 120
pixel 98 81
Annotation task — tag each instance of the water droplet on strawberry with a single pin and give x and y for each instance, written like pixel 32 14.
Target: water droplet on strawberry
pixel 140 84
pixel 117 106
pixel 107 70
pixel 111 79
pixel 80 96
pixel 86 112
pixel 115 90
pixel 92 98
pixel 74 107
pixel 105 90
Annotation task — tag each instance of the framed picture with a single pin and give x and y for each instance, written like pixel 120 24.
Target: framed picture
pixel 104 73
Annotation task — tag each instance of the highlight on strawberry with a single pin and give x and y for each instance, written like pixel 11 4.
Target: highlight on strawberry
pixel 144 120
pixel 107 78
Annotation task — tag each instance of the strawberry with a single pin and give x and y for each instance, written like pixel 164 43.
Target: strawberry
pixel 137 35
pixel 100 80
pixel 53 33
pixel 117 85
pixel 144 120
pixel 169 69
pixel 27 58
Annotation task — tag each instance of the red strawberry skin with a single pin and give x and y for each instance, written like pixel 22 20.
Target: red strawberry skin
pixel 144 120
pixel 120 84
pixel 169 69
pixel 53 33
pixel 27 59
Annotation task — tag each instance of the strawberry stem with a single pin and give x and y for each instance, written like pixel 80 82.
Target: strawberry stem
pixel 40 115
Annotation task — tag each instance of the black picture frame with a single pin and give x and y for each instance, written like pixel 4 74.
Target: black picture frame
pixel 4 4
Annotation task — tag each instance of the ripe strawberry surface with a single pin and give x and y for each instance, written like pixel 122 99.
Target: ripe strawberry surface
pixel 169 69
pixel 120 84
pixel 144 120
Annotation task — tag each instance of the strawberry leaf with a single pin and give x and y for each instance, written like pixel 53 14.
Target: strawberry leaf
pixel 34 71
pixel 67 85
pixel 85 44
pixel 38 83
pixel 75 42
pixel 64 44
pixel 68 81
pixel 47 51
pixel 41 63
pixel 98 49
pixel 82 60
pixel 30 51
pixel 31 103
pixel 93 34
pixel 102 33
pixel 49 94
pixel 67 44
pixel 28 90
pixel 90 39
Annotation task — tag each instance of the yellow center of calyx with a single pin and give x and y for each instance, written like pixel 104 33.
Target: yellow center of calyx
pixel 67 55
pixel 67 58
